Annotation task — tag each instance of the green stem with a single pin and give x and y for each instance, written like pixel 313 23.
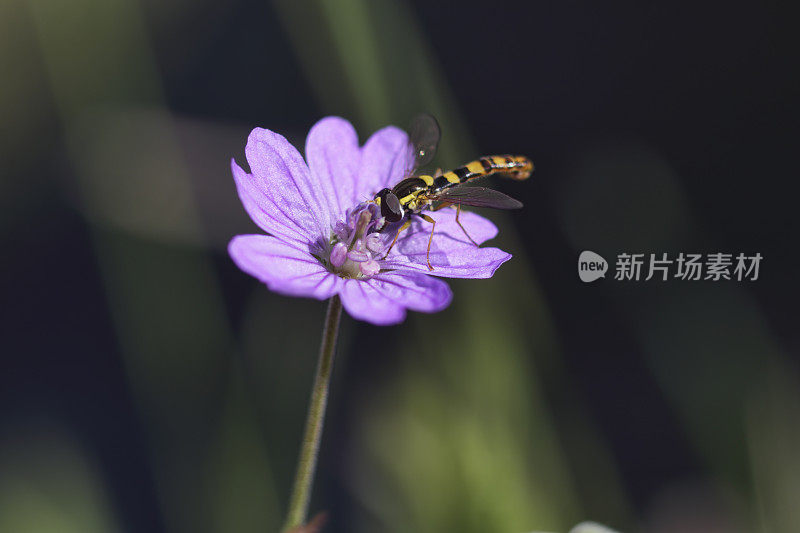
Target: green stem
pixel 307 463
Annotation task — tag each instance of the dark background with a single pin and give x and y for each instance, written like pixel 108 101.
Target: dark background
pixel 148 385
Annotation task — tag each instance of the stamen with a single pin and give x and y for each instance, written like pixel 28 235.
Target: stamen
pixel 358 256
pixel 370 268
pixel 338 254
pixel 374 243
pixel 361 227
pixel 342 231
pixel 356 245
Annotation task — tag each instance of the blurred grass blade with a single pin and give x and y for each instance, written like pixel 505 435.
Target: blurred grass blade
pixel 49 485
pixel 773 436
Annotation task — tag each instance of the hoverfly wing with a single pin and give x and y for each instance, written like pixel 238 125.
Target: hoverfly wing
pixel 478 197
pixel 423 138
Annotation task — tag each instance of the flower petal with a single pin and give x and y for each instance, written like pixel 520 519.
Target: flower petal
pixel 284 268
pixel 383 299
pixel 452 254
pixel 283 187
pixel 385 159
pixel 263 210
pixel 333 157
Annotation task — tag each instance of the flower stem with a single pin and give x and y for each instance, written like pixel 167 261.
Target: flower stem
pixel 309 450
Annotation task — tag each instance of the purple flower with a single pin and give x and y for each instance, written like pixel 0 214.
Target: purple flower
pixel 324 235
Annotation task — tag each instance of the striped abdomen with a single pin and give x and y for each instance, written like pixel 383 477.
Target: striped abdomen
pixel 514 166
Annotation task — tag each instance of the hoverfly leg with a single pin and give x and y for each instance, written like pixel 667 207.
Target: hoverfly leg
pixel 458 212
pixel 426 218
pixel 405 226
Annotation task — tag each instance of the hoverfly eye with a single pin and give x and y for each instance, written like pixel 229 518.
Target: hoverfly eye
pixel 390 206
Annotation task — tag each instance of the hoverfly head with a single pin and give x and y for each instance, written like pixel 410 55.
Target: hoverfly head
pixel 391 209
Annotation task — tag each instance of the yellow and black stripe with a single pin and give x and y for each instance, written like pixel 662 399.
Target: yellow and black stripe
pixel 515 166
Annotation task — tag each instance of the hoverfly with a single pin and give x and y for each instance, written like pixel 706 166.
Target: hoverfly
pixel 419 192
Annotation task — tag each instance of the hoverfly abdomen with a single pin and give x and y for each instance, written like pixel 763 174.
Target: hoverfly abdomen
pixel 514 166
pixel 518 167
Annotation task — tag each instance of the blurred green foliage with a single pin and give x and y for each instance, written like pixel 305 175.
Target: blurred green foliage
pixel 50 485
